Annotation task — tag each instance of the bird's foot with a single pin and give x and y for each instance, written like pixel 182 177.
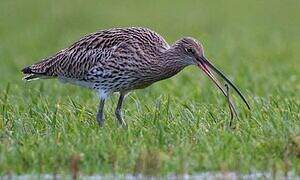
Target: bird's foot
pixel 100 120
pixel 120 119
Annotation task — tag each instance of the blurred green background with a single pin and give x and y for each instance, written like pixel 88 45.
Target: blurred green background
pixel 255 42
pixel 261 37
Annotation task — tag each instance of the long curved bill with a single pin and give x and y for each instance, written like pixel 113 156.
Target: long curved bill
pixel 207 66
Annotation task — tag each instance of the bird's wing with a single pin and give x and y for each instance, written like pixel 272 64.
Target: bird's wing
pixel 76 61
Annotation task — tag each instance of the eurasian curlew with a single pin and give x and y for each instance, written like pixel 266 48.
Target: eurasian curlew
pixel 122 60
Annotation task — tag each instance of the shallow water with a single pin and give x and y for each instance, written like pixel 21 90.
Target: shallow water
pixel 206 175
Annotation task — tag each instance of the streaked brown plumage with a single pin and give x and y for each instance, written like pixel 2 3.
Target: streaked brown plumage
pixel 121 60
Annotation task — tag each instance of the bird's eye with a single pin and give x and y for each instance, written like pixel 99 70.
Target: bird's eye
pixel 190 50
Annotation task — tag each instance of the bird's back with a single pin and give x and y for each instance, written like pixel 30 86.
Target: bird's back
pixel 78 59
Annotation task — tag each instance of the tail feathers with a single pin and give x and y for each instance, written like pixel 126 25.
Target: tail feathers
pixel 30 75
pixel 44 69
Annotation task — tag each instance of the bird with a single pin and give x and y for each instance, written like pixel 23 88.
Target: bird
pixel 120 60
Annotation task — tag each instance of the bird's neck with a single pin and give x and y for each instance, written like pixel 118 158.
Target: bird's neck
pixel 170 63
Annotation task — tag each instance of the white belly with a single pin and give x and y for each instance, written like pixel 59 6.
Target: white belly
pixel 76 82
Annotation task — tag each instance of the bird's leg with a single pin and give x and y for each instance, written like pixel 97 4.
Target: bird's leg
pixel 100 118
pixel 118 109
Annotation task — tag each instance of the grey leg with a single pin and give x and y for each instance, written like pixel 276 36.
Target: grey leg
pixel 118 111
pixel 100 117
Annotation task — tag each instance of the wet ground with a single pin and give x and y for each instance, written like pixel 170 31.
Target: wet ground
pixel 207 176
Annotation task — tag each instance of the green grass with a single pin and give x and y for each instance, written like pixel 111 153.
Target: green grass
pixel 175 126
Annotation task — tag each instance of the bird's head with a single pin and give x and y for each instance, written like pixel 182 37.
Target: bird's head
pixel 190 49
pixel 192 53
